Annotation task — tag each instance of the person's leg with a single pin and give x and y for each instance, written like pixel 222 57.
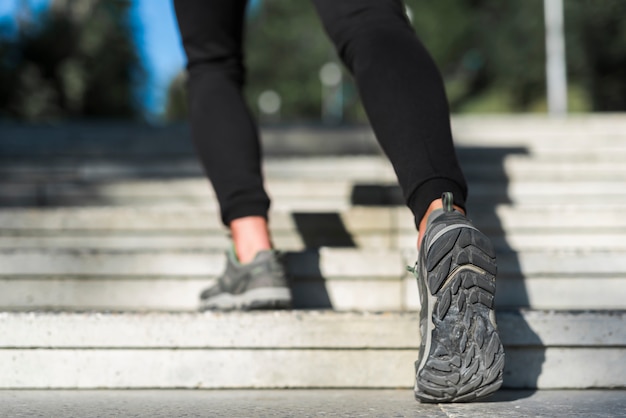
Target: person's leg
pixel 223 130
pixel 403 95
pixel 461 356
pixel 226 138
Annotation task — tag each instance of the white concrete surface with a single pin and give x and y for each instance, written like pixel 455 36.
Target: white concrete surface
pixel 544 368
pixel 552 191
pixel 289 349
pixel 291 329
pixel 305 403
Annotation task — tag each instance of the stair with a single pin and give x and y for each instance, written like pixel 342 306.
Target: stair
pixel 109 232
pixel 313 349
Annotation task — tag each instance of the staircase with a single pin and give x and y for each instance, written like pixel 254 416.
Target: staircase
pixel 108 232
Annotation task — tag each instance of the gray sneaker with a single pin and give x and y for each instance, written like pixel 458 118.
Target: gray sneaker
pixel 461 357
pixel 260 284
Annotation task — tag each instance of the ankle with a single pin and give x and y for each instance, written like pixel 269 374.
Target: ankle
pixel 246 253
pixel 250 235
pixel 435 208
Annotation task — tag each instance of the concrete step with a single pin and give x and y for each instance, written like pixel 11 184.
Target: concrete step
pixel 131 138
pixel 537 129
pixel 550 192
pixel 344 279
pixel 289 349
pixel 158 280
pixel 549 217
pixel 304 403
pixel 511 228
pixel 549 241
pixel 299 194
pixel 553 167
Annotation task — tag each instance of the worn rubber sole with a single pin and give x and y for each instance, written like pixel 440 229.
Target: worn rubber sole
pixel 462 358
pixel 260 298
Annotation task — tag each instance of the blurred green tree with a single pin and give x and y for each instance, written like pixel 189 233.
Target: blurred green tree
pixel 285 50
pixel 597 50
pixel 491 54
pixel 176 108
pixel 77 60
pixel 508 39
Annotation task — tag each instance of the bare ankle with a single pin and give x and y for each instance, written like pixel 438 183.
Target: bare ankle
pixel 250 235
pixel 435 204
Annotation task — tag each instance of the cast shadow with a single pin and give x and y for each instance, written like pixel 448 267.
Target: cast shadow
pixel 489 184
pixel 316 229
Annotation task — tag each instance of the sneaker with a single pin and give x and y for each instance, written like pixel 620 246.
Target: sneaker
pixel 461 357
pixel 260 284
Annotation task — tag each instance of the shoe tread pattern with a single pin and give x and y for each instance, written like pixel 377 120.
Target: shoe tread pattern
pixel 466 356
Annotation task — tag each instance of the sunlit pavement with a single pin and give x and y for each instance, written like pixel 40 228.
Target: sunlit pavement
pixel 303 403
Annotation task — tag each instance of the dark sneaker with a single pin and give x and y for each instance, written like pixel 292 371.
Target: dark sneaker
pixel 260 284
pixel 461 357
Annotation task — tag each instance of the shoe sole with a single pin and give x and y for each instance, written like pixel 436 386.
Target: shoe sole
pixel 260 298
pixel 465 357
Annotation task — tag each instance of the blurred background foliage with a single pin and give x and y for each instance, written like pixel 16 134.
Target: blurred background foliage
pixel 491 53
pixel 75 60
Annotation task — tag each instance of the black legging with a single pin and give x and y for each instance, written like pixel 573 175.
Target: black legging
pixel 400 86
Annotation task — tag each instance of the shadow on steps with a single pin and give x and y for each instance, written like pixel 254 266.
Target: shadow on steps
pixel 487 168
